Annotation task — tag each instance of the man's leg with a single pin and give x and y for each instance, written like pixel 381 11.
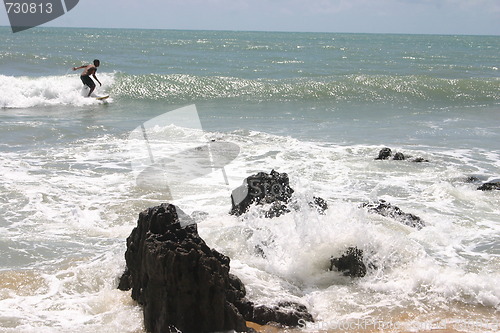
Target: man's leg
pixel 89 83
pixel 92 87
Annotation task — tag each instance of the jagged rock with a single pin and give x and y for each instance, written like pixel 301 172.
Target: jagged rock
pixel 472 179
pixel 179 281
pixel 490 186
pixel 320 204
pixel 268 188
pixel 287 314
pixel 386 209
pixel 263 188
pixel 276 209
pixel 384 154
pixel 350 263
pixel 399 157
pixel 183 285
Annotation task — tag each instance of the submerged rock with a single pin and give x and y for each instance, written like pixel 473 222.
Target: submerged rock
pixel 385 153
pixel 489 186
pixel 419 160
pixel 399 157
pixel 472 179
pixel 184 285
pixel 386 209
pixel 320 204
pixel 350 263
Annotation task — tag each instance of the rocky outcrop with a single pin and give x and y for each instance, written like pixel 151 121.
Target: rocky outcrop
pixel 386 209
pixel 350 263
pixel 184 285
pixel 272 189
pixel 287 314
pixel 177 278
pixel 320 205
pixel 490 186
pixel 471 179
pixel 386 153
pixel 263 188
pixel 482 181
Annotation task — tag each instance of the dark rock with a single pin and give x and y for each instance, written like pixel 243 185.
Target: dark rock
pixel 419 160
pixel 350 263
pixel 125 282
pixel 236 291
pixel 272 189
pixel 263 188
pixel 320 204
pixel 260 251
pixel 287 314
pixel 490 186
pixel 399 157
pixel 472 179
pixel 386 209
pixel 384 154
pixel 183 285
pixel 177 278
pixel 277 209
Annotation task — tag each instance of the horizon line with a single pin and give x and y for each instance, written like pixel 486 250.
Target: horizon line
pixel 268 31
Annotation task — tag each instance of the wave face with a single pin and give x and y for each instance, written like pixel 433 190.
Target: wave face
pixel 25 92
pixel 350 88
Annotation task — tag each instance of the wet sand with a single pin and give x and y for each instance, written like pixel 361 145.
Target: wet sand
pixel 272 329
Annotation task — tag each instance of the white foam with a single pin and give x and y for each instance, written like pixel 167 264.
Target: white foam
pixel 70 208
pixel 288 257
pixel 80 296
pixel 27 92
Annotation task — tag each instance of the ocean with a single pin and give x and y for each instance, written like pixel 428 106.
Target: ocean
pixel 317 106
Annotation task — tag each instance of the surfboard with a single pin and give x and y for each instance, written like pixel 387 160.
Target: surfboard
pixel 100 98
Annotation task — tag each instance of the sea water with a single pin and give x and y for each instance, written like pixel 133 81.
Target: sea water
pixel 314 105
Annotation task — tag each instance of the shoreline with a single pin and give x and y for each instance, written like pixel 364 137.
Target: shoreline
pixel 274 329
pixel 469 320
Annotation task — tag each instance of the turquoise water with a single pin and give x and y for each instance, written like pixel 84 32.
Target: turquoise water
pixel 331 79
pixel 317 106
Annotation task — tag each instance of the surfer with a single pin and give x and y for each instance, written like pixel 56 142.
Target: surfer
pixel 85 76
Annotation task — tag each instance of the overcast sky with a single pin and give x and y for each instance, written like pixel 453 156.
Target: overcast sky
pixel 371 16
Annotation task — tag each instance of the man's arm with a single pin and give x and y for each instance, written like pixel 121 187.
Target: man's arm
pixel 75 68
pixel 95 77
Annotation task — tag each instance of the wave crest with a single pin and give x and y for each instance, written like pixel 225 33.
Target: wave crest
pixel 27 92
